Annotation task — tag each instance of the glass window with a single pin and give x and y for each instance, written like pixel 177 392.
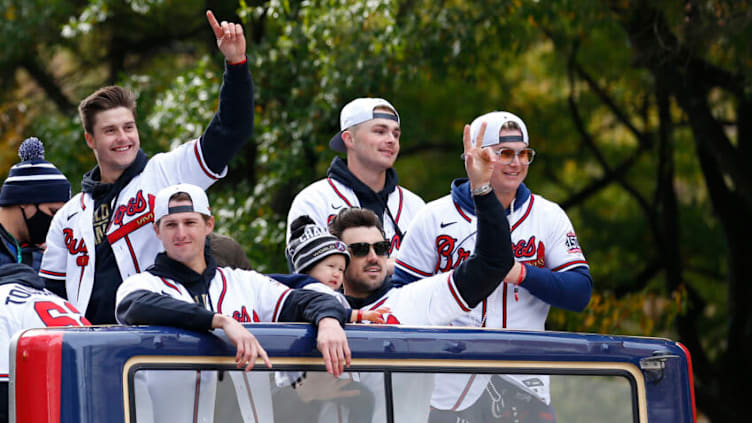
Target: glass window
pixel 184 394
pixel 511 397
pixel 258 396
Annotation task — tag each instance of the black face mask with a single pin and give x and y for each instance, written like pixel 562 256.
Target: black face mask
pixel 38 225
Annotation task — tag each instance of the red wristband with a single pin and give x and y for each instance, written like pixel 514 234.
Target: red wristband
pixel 522 274
pixel 360 315
pixel 245 59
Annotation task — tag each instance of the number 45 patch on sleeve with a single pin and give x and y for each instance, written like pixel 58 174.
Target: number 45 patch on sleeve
pixel 572 245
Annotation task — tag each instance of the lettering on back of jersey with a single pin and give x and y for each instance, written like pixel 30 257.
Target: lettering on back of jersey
pixel 445 248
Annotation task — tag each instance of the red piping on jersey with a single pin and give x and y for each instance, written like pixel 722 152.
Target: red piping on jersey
pixel 83 206
pixel 224 291
pixel 279 303
pixel 201 163
pixel 464 392
pixel 524 216
pixel 459 210
pixel 170 285
pixel 131 226
pixel 412 269
pixel 196 396
pixel 51 273
pixel 557 268
pixel 455 294
pixel 336 191
pixel 133 254
pixel 377 305
pixel 80 279
pixel 399 209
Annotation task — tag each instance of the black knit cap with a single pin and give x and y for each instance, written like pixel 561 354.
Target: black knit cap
pixel 310 243
pixel 34 180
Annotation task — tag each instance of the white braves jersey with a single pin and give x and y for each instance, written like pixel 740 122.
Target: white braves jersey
pixel 246 296
pixel 25 307
pixel 70 253
pixel 432 301
pixel 323 199
pixel 443 235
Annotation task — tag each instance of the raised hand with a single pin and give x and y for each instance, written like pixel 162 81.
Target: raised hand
pixel 230 38
pixel 332 342
pixel 479 161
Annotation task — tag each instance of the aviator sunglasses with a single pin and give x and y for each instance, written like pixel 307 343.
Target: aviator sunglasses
pixel 507 155
pixel 361 249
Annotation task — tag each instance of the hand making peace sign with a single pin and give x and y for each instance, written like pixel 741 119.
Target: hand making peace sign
pixel 479 161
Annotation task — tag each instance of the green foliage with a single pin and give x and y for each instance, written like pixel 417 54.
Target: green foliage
pixel 570 69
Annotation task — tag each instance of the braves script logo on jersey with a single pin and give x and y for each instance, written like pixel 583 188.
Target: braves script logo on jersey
pixel 76 246
pixel 524 250
pixel 529 252
pixel 445 247
pixel 243 316
pixel 134 206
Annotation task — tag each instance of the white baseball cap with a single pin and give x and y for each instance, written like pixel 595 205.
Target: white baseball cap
pixel 358 111
pixel 494 121
pixel 198 198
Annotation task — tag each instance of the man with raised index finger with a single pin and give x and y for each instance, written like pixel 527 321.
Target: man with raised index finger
pixel 103 235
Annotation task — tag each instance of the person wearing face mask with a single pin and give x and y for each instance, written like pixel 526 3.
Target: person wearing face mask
pixel 31 194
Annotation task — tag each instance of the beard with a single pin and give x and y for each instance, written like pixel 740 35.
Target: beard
pixel 360 283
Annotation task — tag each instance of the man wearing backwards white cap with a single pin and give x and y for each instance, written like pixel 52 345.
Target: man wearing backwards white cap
pixel 184 288
pixel 553 272
pixel 370 136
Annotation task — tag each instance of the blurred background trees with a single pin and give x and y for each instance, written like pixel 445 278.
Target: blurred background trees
pixel 636 108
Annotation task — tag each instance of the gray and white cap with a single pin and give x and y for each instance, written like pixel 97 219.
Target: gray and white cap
pixel 494 121
pixel 358 111
pixel 198 198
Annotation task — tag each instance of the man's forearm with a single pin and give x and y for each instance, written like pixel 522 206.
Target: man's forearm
pixel 232 124
pixel 492 258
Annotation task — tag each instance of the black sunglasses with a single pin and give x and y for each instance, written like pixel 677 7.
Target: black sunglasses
pixel 361 249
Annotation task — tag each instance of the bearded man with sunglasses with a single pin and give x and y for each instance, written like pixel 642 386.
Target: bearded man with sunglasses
pixel 554 270
pixel 436 300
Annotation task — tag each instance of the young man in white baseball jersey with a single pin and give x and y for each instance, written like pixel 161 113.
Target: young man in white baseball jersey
pixel 25 305
pixel 436 300
pixel 103 235
pixel 184 288
pixel 443 235
pixel 370 136
pixel 31 194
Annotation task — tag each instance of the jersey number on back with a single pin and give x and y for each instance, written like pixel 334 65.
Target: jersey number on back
pixel 54 315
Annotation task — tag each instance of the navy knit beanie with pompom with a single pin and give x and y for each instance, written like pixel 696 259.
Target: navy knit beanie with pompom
pixel 34 180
